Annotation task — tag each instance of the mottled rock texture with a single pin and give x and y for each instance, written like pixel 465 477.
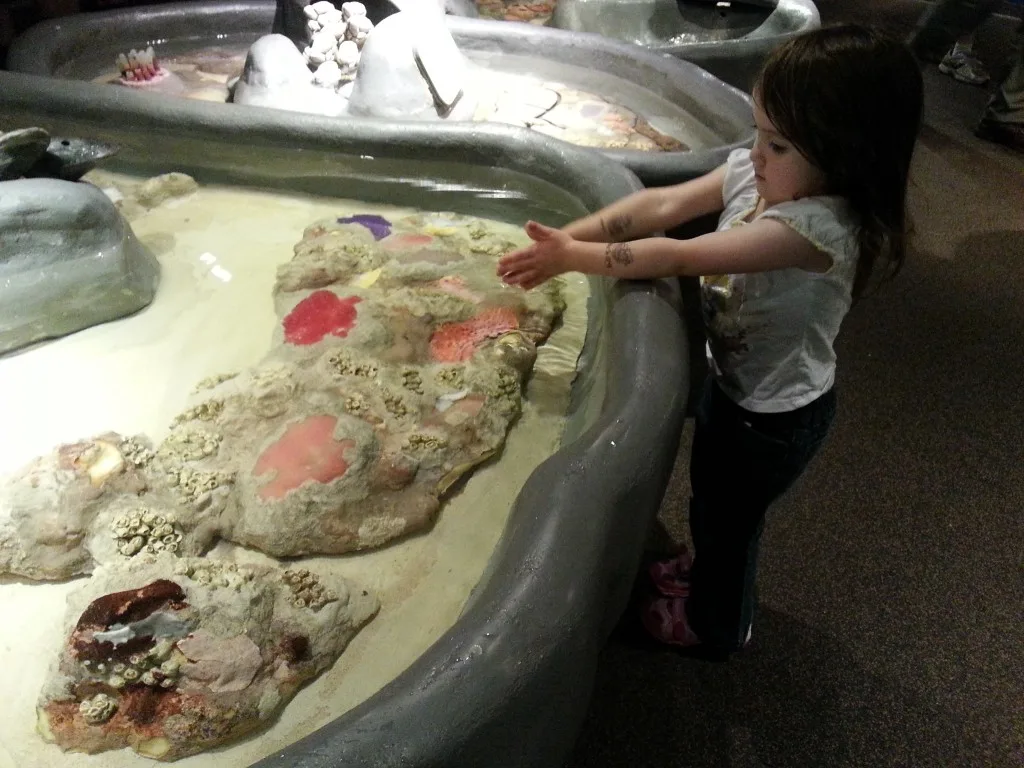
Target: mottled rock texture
pixel 397 367
pixel 173 656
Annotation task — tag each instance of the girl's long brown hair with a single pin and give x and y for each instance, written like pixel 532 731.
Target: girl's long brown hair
pixel 850 99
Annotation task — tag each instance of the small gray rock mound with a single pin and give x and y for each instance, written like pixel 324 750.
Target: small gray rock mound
pixel 68 261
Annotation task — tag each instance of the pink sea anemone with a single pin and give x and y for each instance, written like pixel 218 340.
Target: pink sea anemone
pixel 307 451
pixel 456 342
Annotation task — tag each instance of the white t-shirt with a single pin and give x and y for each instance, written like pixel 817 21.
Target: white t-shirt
pixel 770 334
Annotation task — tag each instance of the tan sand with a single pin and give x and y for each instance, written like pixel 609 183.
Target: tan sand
pixel 213 313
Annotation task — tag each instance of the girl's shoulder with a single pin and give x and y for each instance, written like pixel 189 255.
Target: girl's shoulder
pixel 826 221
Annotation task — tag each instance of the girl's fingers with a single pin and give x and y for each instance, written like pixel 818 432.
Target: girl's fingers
pixel 525 278
pixel 515 260
pixel 538 231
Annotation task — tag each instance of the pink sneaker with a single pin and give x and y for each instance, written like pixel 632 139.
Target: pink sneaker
pixel 664 618
pixel 672 577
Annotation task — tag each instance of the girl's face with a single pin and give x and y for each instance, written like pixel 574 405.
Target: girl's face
pixel 782 173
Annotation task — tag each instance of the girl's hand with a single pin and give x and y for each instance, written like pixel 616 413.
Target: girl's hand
pixel 547 257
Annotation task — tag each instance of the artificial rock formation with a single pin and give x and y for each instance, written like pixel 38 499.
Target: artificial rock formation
pixel 93 501
pixel 67 261
pixel 407 66
pixel 397 367
pixel 172 656
pixel 317 78
pixel 275 75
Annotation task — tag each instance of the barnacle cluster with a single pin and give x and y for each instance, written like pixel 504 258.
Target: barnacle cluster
pixel 424 441
pixel 395 404
pixel 154 668
pixel 214 574
pixel 191 484
pixel 212 381
pixel 98 709
pixel 307 591
pixel 134 452
pixel 355 403
pixel 208 410
pixel 453 376
pixel 412 380
pixel 145 530
pixel 190 444
pixel 516 350
pixel 346 365
pixel 508 383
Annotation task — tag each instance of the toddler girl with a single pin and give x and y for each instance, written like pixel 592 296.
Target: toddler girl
pixel 808 218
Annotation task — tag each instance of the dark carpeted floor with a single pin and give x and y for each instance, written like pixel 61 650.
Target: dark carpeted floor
pixel 891 579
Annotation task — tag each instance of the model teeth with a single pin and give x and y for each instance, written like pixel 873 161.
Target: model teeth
pixel 138 65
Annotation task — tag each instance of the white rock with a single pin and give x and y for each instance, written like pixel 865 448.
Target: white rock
pixel 310 12
pixel 328 74
pixel 276 75
pixel 322 7
pixel 322 42
pixel 337 29
pixel 314 58
pixel 331 17
pixel 410 68
pixel 348 55
pixel 313 26
pixel 358 28
pixel 348 10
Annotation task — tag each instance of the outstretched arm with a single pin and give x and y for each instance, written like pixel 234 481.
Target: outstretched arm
pixel 651 210
pixel 760 246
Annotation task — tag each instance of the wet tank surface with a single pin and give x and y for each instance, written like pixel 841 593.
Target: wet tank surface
pixel 665 119
pixel 500 676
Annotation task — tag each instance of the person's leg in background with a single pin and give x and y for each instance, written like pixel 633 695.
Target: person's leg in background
pixel 945 23
pixel 961 64
pixel 1003 120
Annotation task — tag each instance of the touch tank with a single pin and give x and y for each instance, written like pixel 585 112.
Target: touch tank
pixel 729 38
pixel 503 673
pixel 665 119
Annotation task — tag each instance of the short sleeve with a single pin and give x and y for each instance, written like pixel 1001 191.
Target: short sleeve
pixel 739 175
pixel 826 222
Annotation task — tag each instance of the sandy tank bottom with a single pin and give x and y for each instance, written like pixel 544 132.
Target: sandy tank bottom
pixel 214 313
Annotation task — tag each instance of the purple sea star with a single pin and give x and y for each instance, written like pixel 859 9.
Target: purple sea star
pixel 379 226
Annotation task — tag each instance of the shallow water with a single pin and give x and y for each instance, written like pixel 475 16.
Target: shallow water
pixel 668 118
pixel 219 249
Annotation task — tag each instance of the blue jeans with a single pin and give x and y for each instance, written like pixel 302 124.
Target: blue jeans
pixel 740 463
